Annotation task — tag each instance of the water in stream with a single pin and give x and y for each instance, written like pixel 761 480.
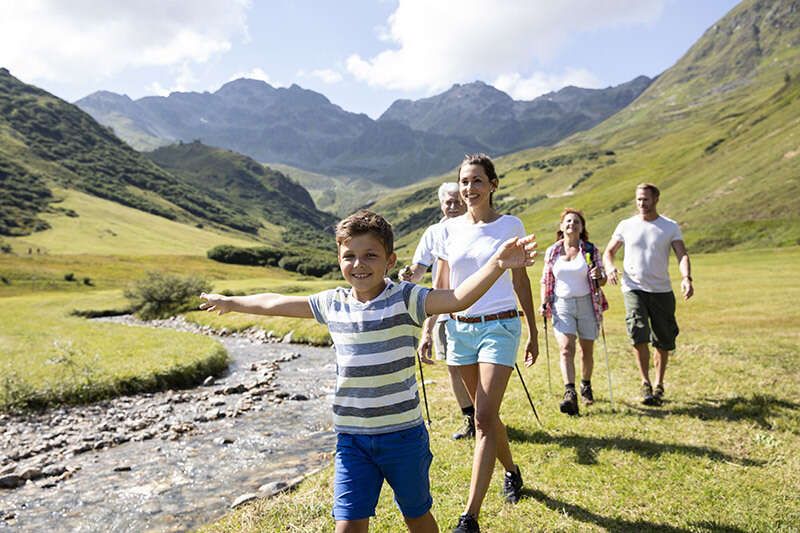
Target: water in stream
pixel 163 484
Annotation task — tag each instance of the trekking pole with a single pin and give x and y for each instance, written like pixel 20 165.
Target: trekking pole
pixel 608 367
pixel 603 332
pixel 424 394
pixel 527 394
pixel 547 352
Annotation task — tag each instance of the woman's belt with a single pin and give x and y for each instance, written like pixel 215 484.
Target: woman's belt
pixel 486 318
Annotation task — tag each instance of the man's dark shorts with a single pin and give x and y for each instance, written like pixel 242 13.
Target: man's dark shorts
pixel 650 317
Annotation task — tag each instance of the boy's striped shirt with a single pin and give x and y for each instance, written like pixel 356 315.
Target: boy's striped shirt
pixel 375 342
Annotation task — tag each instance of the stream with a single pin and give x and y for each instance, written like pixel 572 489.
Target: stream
pixel 173 460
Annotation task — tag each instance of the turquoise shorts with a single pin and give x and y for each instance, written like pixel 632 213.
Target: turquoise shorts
pixel 495 341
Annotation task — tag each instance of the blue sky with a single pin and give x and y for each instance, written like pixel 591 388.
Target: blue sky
pixel 361 54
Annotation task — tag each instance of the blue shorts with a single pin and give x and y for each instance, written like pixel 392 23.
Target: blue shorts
pixel 495 341
pixel 362 462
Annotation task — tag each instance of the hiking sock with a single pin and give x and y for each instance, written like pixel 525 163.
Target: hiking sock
pixel 586 382
pixel 468 411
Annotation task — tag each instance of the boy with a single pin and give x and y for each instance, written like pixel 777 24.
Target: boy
pixel 373 324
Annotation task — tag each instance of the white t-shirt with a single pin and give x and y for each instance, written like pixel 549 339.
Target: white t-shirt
pixel 647 247
pixel 571 277
pixel 467 247
pixel 425 252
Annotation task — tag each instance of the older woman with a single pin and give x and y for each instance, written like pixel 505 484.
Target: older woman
pixel 483 341
pixel 424 257
pixel 571 295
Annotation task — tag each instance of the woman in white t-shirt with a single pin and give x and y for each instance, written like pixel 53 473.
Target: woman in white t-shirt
pixel 483 340
pixel 571 295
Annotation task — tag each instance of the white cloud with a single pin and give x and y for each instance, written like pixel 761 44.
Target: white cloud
pixel 438 43
pixel 256 73
pixel 185 80
pixel 327 75
pixel 521 88
pixel 94 39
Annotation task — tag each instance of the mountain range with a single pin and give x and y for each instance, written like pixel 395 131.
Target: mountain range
pixel 302 128
pixel 48 144
pixel 717 132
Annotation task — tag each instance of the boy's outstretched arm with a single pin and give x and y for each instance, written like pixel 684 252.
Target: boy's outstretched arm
pixel 514 253
pixel 259 304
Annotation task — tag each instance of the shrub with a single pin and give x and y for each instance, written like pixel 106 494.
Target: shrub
pixel 5 248
pixel 88 281
pixel 258 256
pixel 69 276
pixel 161 295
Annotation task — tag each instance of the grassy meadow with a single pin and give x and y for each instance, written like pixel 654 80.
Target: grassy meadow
pixel 49 356
pixel 719 455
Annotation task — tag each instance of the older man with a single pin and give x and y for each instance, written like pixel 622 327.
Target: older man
pixel 649 301
pixel 424 258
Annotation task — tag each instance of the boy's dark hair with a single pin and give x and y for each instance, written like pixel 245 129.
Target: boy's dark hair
pixel 363 222
pixel 486 162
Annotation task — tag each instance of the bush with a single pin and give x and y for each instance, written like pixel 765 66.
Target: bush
pixel 258 256
pixel 69 276
pixel 161 295
pixel 88 281
pixel 5 248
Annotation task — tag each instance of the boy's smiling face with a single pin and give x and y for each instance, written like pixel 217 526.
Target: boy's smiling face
pixel 365 263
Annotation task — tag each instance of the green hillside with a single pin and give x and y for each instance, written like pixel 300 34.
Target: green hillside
pixel 718 132
pixel 337 194
pixel 237 180
pixel 45 141
pixel 107 228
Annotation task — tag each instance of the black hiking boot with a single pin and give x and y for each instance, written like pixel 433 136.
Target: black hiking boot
pixel 658 394
pixel 570 404
pixel 466 431
pixel 647 395
pixel 467 524
pixel 586 393
pixel 512 486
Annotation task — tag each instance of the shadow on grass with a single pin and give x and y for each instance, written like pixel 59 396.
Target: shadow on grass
pixel 757 408
pixel 586 447
pixel 619 524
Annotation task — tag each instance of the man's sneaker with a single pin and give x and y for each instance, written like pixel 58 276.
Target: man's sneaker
pixel 658 394
pixel 586 393
pixel 467 431
pixel 512 486
pixel 570 404
pixel 467 524
pixel 647 395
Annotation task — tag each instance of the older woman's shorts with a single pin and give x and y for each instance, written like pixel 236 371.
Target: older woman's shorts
pixel 575 316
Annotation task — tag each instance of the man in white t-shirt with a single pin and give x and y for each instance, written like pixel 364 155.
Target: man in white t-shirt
pixel 424 258
pixel 649 301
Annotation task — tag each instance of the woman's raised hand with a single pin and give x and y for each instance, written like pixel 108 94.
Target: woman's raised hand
pixel 517 253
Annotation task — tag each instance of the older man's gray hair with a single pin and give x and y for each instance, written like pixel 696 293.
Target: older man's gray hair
pixel 447 188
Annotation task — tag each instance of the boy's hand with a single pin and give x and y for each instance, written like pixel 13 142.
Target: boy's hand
pixel 215 302
pixel 517 253
pixel 424 348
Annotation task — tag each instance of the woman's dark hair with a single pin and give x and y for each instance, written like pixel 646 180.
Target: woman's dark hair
pixel 569 210
pixel 486 162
